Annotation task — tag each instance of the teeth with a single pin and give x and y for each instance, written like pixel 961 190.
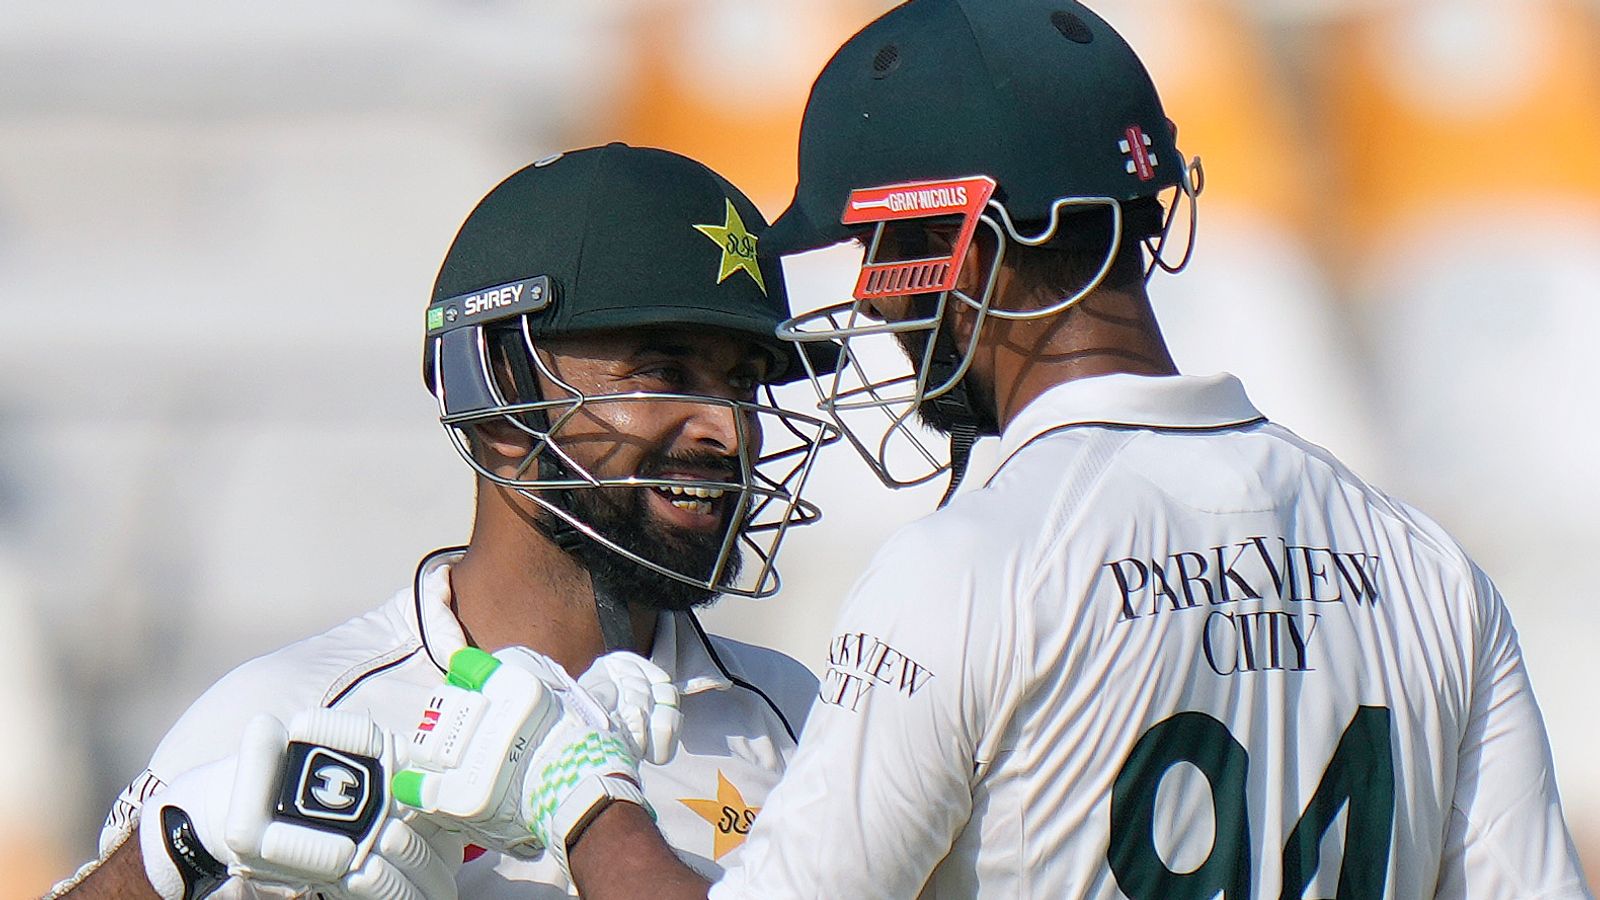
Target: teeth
pixel 700 507
pixel 704 493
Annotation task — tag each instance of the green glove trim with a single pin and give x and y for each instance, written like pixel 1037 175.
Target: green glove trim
pixel 470 668
pixel 406 786
pixel 559 776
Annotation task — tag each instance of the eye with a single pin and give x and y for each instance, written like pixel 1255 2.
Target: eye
pixel 744 383
pixel 941 239
pixel 666 375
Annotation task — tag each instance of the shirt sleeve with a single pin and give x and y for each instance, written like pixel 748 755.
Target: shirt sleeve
pixel 210 729
pixel 1506 836
pixel 124 819
pixel 907 711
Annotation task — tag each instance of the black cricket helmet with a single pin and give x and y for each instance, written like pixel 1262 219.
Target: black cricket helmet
pixel 951 116
pixel 599 240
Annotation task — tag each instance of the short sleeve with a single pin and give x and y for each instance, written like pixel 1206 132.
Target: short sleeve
pixel 209 730
pixel 918 669
pixel 1506 836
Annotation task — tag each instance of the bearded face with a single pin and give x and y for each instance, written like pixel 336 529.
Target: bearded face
pixel 934 414
pixel 627 518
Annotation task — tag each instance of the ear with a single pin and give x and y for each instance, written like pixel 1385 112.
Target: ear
pixel 502 439
pixel 962 320
pixel 970 280
pixel 975 264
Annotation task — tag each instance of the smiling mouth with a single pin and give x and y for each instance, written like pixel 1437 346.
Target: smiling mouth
pixel 697 500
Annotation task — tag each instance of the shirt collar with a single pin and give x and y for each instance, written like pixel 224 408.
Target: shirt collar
pixel 429 614
pixel 683 651
pixel 681 647
pixel 1197 402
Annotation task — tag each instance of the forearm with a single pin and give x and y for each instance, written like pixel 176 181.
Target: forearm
pixel 120 877
pixel 621 855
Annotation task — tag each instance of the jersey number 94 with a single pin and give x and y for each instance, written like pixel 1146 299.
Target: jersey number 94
pixel 1360 774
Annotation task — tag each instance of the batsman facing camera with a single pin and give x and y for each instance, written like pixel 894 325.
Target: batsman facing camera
pixel 627 466
pixel 508 291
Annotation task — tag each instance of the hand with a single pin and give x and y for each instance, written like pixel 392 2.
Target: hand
pixel 642 702
pixel 306 808
pixel 514 752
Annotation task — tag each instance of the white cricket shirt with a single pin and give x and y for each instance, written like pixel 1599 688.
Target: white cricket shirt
pixel 1171 650
pixel 742 707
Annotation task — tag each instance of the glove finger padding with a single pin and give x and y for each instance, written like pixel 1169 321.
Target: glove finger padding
pixel 404 865
pixel 472 745
pixel 517 754
pixel 304 807
pixel 641 699
pixel 330 799
pixel 427 855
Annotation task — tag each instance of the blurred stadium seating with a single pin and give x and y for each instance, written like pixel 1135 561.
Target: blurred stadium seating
pixel 1462 140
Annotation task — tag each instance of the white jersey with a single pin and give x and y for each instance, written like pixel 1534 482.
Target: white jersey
pixel 1171 650
pixel 742 709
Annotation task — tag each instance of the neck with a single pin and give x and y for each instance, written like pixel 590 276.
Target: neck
pixel 513 587
pixel 1109 332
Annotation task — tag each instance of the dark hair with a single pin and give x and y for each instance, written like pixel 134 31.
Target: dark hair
pixel 1062 266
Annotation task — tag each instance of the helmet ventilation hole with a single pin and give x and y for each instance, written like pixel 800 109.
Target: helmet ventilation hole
pixel 1071 27
pixel 885 61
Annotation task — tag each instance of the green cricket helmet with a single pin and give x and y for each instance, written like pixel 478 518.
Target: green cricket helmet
pixel 614 237
pixel 1041 97
pixel 600 240
pixel 1018 117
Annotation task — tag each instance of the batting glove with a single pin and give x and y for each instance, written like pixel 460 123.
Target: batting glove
pixel 642 701
pixel 517 754
pixel 304 808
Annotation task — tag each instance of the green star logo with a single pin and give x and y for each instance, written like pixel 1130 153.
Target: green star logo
pixel 738 246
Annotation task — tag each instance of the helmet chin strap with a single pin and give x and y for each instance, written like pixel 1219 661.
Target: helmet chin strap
pixel 966 420
pixel 962 436
pixel 616 622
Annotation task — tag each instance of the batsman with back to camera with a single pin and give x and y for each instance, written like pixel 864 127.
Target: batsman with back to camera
pixel 1170 649
pixel 600 339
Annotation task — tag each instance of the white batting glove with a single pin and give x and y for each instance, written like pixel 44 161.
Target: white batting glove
pixel 305 808
pixel 512 751
pixel 642 701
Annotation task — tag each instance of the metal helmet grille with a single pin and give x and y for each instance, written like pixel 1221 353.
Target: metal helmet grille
pixel 760 496
pixel 886 370
pixel 883 376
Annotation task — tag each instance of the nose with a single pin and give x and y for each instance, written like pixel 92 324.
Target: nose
pixel 719 428
pixel 712 428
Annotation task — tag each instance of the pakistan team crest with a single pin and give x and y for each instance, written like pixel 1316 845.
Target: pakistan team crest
pixel 730 817
pixel 738 246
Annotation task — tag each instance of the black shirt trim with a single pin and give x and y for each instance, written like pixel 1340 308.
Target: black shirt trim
pixel 416 602
pixel 740 682
pixel 368 674
pixel 1126 426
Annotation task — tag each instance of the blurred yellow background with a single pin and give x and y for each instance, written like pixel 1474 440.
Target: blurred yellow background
pixel 219 226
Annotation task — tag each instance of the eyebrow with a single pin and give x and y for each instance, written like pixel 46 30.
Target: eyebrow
pixel 663 348
pixel 754 355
